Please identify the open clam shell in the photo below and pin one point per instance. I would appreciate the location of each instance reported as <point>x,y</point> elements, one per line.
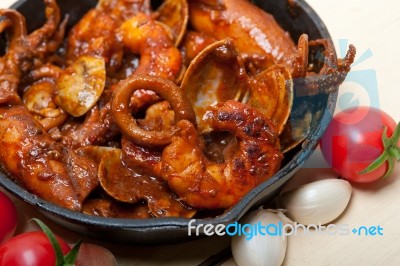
<point>110,208</point>
<point>271,92</point>
<point>127,185</point>
<point>215,75</point>
<point>81,85</point>
<point>175,15</point>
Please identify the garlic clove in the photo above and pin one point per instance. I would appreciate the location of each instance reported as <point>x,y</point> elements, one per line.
<point>317,202</point>
<point>266,250</point>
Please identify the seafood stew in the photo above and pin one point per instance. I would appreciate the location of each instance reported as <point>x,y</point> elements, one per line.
<point>202,131</point>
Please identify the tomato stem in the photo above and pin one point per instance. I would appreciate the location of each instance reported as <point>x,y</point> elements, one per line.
<point>390,154</point>
<point>375,164</point>
<point>53,241</point>
<point>395,153</point>
<point>68,259</point>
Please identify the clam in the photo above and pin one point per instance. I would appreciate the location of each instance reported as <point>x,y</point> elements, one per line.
<point>175,15</point>
<point>271,92</point>
<point>129,186</point>
<point>38,98</point>
<point>296,130</point>
<point>81,85</point>
<point>106,207</point>
<point>94,152</point>
<point>215,75</point>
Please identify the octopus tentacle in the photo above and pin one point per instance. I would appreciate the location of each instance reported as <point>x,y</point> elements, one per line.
<point>43,166</point>
<point>250,160</point>
<point>16,29</point>
<point>39,37</point>
<point>4,24</point>
<point>333,71</point>
<point>24,51</point>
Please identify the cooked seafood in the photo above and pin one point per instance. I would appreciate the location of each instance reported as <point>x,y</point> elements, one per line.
<point>217,75</point>
<point>40,164</point>
<point>253,159</point>
<point>24,52</point>
<point>136,114</point>
<point>39,97</point>
<point>167,90</point>
<point>102,40</point>
<point>261,41</point>
<point>193,44</point>
<point>97,128</point>
<point>109,208</point>
<point>80,85</point>
<point>174,14</point>
<point>257,36</point>
<point>158,54</point>
<point>127,185</point>
<point>159,116</point>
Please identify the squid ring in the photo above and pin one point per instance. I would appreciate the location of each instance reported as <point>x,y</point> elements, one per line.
<point>121,111</point>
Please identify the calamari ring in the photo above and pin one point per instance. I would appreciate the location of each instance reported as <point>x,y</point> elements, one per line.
<point>121,111</point>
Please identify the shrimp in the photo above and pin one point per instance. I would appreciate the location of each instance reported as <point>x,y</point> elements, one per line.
<point>102,40</point>
<point>253,158</point>
<point>158,54</point>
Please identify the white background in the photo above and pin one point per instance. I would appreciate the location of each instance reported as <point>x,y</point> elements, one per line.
<point>369,25</point>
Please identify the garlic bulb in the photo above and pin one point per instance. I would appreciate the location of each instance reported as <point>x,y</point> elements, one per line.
<point>267,249</point>
<point>317,202</point>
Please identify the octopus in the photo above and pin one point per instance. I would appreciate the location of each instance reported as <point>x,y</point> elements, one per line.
<point>40,164</point>
<point>141,112</point>
<point>25,51</point>
<point>251,159</point>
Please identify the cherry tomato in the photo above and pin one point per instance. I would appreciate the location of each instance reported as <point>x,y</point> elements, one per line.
<point>353,140</point>
<point>8,214</point>
<point>30,249</point>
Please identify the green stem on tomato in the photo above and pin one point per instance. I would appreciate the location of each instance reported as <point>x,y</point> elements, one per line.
<point>395,153</point>
<point>61,260</point>
<point>70,258</point>
<point>390,154</point>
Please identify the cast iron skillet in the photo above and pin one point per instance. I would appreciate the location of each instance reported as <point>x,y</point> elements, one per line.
<point>297,20</point>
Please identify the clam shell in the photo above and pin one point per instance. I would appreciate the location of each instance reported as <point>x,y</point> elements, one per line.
<point>214,76</point>
<point>175,15</point>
